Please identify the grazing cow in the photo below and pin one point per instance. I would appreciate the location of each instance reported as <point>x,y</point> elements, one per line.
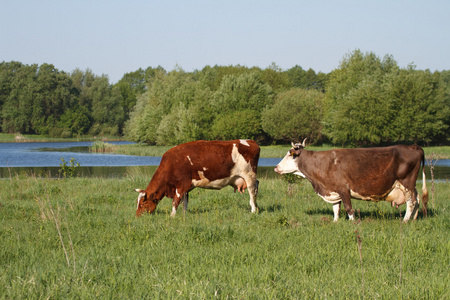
<point>203,164</point>
<point>373,174</point>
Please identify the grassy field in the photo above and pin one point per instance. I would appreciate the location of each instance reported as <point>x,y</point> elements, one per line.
<point>78,238</point>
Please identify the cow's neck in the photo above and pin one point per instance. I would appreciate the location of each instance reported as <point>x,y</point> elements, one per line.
<point>158,188</point>
<point>307,163</point>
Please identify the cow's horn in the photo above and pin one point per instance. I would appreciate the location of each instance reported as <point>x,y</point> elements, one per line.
<point>304,143</point>
<point>293,145</point>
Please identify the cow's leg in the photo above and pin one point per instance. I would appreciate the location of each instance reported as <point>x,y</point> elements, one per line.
<point>336,209</point>
<point>348,205</point>
<point>412,205</point>
<point>253,192</point>
<point>175,203</point>
<point>185,202</point>
<point>179,195</point>
<point>418,204</point>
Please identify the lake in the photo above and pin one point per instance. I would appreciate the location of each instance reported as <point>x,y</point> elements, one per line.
<point>44,159</point>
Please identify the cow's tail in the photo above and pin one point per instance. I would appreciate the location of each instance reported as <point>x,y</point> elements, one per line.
<point>424,189</point>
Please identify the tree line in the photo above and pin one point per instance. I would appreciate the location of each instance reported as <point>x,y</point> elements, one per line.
<point>367,100</point>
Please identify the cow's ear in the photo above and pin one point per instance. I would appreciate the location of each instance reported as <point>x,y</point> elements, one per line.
<point>295,153</point>
<point>139,191</point>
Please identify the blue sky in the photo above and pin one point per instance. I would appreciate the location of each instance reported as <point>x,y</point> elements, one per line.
<point>115,37</point>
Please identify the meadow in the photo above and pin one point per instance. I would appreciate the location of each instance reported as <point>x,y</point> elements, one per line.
<point>79,238</point>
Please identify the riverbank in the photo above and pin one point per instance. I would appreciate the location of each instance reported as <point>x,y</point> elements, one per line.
<point>34,138</point>
<point>266,151</point>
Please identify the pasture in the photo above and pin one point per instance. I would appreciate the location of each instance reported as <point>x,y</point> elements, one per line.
<point>78,238</point>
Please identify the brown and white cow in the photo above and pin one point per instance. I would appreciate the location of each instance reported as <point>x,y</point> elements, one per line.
<point>203,164</point>
<point>373,174</point>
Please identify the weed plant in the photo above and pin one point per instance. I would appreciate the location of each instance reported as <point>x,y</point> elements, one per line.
<point>78,238</point>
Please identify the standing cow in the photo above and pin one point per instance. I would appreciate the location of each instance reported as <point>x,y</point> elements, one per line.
<point>373,174</point>
<point>203,164</point>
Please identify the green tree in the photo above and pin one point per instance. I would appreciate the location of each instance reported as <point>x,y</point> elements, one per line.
<point>243,93</point>
<point>297,77</point>
<point>53,95</point>
<point>356,109</point>
<point>275,77</point>
<point>296,114</point>
<point>238,124</point>
<point>212,76</point>
<point>174,109</point>
<point>18,106</point>
<point>107,113</point>
<point>421,107</point>
<point>133,84</point>
<point>76,121</point>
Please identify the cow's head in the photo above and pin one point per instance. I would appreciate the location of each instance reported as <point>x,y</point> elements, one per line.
<point>289,163</point>
<point>145,202</point>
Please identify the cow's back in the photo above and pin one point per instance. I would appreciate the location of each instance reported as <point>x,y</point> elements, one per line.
<point>214,158</point>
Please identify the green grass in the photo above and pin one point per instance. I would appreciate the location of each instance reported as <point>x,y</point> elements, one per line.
<point>141,150</point>
<point>78,238</point>
<point>443,152</point>
<point>281,150</point>
<point>102,147</point>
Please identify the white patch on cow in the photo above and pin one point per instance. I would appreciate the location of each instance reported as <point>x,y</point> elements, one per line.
<point>333,198</point>
<point>244,142</point>
<point>190,160</point>
<point>335,158</point>
<point>176,191</point>
<point>207,184</point>
<point>202,182</point>
<point>336,209</point>
<point>298,173</point>
<point>241,169</point>
<point>174,211</point>
<point>235,153</point>
<point>141,195</point>
<point>204,169</point>
<point>396,195</point>
<point>355,195</point>
<point>289,165</point>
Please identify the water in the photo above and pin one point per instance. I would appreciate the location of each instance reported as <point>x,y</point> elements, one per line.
<point>49,155</point>
<point>45,159</point>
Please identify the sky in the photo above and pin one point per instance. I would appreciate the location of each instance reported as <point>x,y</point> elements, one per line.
<point>116,37</point>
